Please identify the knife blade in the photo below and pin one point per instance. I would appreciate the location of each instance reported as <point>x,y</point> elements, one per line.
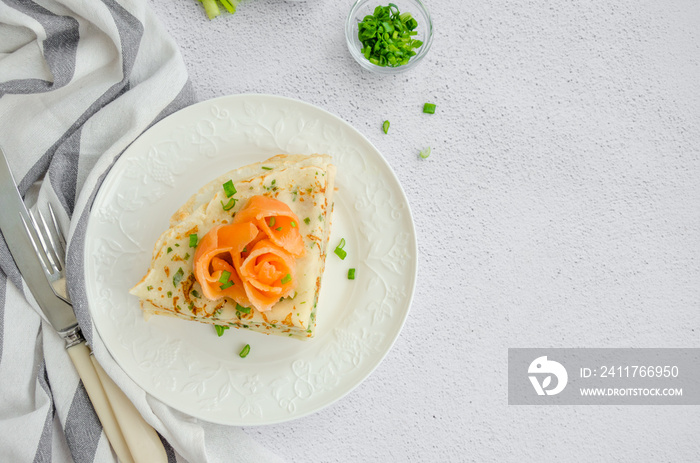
<point>58,312</point>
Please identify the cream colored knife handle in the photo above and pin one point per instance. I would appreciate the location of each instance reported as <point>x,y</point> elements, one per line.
<point>80,355</point>
<point>142,440</point>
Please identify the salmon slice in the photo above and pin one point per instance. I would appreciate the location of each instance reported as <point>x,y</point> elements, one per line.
<point>276,220</point>
<point>268,274</point>
<point>217,252</point>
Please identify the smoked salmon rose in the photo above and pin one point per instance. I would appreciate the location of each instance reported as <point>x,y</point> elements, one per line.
<point>251,260</point>
<point>276,220</point>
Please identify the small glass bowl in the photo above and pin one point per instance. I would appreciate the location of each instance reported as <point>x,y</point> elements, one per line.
<point>362,8</point>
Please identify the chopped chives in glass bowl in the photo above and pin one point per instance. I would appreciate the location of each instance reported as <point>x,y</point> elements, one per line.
<point>388,36</point>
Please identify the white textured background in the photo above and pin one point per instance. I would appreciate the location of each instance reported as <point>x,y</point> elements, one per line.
<point>560,207</point>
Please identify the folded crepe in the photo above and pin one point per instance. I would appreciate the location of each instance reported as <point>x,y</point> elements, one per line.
<point>248,249</point>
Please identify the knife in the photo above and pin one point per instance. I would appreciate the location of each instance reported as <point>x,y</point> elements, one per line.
<point>117,414</point>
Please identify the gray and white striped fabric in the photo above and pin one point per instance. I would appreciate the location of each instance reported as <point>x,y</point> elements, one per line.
<point>79,81</point>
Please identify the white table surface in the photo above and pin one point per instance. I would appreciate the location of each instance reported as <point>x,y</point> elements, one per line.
<point>560,208</point>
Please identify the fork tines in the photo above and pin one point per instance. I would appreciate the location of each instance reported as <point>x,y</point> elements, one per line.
<point>51,247</point>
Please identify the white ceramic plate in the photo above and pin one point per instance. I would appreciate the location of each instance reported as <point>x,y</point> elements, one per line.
<point>185,364</point>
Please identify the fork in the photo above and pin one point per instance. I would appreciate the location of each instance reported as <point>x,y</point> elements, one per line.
<point>131,437</point>
<point>52,252</point>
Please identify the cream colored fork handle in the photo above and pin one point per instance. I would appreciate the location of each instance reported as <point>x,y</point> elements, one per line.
<point>142,440</point>
<point>80,355</point>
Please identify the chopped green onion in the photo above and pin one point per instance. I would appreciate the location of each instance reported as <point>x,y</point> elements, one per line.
<point>339,251</point>
<point>246,350</point>
<point>193,240</point>
<point>294,224</point>
<point>225,275</point>
<point>178,276</point>
<point>266,168</point>
<point>278,228</point>
<point>425,153</point>
<point>169,250</point>
<point>429,108</point>
<point>170,294</point>
<point>386,35</point>
<point>220,329</point>
<point>229,189</point>
<point>287,278</point>
<point>195,293</point>
<point>307,220</point>
<point>230,5</point>
<point>271,223</point>
<point>229,204</point>
<point>149,287</point>
<point>211,8</point>
<point>224,278</point>
<point>385,126</point>
<point>240,308</point>
<point>351,274</point>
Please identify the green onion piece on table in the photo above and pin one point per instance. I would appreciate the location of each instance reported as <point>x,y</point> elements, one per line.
<point>429,108</point>
<point>351,274</point>
<point>246,350</point>
<point>212,8</point>
<point>385,126</point>
<point>230,5</point>
<point>425,153</point>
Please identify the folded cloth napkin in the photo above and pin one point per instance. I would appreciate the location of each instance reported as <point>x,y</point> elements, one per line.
<point>79,81</point>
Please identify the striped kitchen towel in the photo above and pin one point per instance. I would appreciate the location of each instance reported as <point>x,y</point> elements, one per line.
<point>79,81</point>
